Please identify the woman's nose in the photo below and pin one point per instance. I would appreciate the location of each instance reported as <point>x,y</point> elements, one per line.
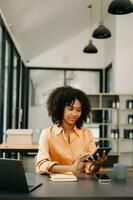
<point>75,112</point>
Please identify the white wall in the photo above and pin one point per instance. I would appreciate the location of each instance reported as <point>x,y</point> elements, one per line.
<point>117,49</point>
<point>70,54</point>
<point>109,44</point>
<point>123,61</point>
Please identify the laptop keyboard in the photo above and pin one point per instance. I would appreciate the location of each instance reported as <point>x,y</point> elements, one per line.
<point>30,186</point>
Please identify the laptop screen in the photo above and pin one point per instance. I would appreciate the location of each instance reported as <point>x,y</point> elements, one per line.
<point>12,176</point>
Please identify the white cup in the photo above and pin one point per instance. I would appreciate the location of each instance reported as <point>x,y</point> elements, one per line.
<point>120,171</point>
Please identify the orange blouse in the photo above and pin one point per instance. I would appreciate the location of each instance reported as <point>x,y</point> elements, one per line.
<point>54,147</point>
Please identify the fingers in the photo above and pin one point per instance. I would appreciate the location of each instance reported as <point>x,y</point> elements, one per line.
<point>104,154</point>
<point>98,156</point>
<point>99,159</point>
<point>91,159</point>
<point>78,164</point>
<point>96,159</point>
<point>102,157</point>
<point>83,156</point>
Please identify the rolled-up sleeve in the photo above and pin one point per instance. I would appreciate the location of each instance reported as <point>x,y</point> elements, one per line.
<point>43,161</point>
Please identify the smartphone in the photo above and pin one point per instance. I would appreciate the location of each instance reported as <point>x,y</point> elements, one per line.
<point>102,178</point>
<point>98,152</point>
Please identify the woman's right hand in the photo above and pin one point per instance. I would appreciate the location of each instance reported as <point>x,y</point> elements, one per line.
<point>78,164</point>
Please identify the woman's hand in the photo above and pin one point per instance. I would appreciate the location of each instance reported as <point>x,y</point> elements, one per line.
<point>98,162</point>
<point>78,165</point>
<point>100,159</point>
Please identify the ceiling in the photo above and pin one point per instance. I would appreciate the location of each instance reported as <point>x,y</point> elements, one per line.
<point>39,25</point>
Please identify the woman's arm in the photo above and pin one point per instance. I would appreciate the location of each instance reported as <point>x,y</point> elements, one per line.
<point>76,167</point>
<point>42,160</point>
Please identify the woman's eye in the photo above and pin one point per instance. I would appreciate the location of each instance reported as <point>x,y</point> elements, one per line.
<point>70,108</point>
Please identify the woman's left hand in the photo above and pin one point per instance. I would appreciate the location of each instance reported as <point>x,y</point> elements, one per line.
<point>97,163</point>
<point>100,159</point>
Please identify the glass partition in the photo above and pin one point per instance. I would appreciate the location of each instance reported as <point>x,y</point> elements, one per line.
<point>14,102</point>
<point>43,81</point>
<point>41,84</point>
<point>88,81</point>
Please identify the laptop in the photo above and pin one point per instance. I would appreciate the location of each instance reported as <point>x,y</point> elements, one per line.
<point>12,176</point>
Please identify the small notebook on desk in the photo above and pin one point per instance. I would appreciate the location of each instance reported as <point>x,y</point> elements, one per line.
<point>68,176</point>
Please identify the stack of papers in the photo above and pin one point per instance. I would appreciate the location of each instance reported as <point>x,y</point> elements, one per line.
<point>68,176</point>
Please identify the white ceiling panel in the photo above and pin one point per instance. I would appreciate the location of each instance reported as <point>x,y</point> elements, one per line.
<point>39,25</point>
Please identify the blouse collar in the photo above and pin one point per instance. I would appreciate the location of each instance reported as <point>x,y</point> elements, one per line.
<point>59,129</point>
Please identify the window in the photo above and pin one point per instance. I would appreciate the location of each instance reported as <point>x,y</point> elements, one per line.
<point>43,81</point>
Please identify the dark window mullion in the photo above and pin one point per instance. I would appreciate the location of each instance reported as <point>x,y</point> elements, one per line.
<point>101,81</point>
<point>25,96</point>
<point>17,93</point>
<point>2,76</point>
<point>26,113</point>
<point>10,88</point>
<point>22,93</point>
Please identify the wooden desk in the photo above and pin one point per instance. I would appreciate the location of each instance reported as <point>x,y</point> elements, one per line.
<point>6,148</point>
<point>85,188</point>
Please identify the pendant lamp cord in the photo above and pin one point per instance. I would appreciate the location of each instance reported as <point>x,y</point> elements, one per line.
<point>101,11</point>
<point>90,6</point>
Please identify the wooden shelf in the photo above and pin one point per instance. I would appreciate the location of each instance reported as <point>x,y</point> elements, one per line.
<point>106,117</point>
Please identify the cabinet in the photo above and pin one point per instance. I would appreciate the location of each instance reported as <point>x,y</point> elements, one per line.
<point>112,123</point>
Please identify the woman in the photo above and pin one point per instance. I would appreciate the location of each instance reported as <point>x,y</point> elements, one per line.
<point>64,145</point>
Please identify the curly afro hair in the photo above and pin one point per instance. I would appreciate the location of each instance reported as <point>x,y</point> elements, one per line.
<point>66,96</point>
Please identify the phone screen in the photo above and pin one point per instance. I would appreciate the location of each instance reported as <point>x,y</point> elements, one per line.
<point>102,177</point>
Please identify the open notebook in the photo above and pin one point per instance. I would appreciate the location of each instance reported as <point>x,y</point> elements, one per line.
<point>68,176</point>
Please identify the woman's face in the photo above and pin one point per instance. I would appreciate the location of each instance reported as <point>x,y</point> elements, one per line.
<point>72,112</point>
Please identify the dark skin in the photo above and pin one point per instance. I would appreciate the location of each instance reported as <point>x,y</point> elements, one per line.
<point>97,162</point>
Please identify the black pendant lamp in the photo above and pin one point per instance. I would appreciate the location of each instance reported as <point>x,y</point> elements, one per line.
<point>101,32</point>
<point>90,48</point>
<point>120,7</point>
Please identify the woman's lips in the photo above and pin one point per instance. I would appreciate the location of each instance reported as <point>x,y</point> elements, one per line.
<point>73,119</point>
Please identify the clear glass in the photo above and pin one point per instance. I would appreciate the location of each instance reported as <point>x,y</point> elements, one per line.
<point>90,85</point>
<point>15,63</point>
<point>42,82</point>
